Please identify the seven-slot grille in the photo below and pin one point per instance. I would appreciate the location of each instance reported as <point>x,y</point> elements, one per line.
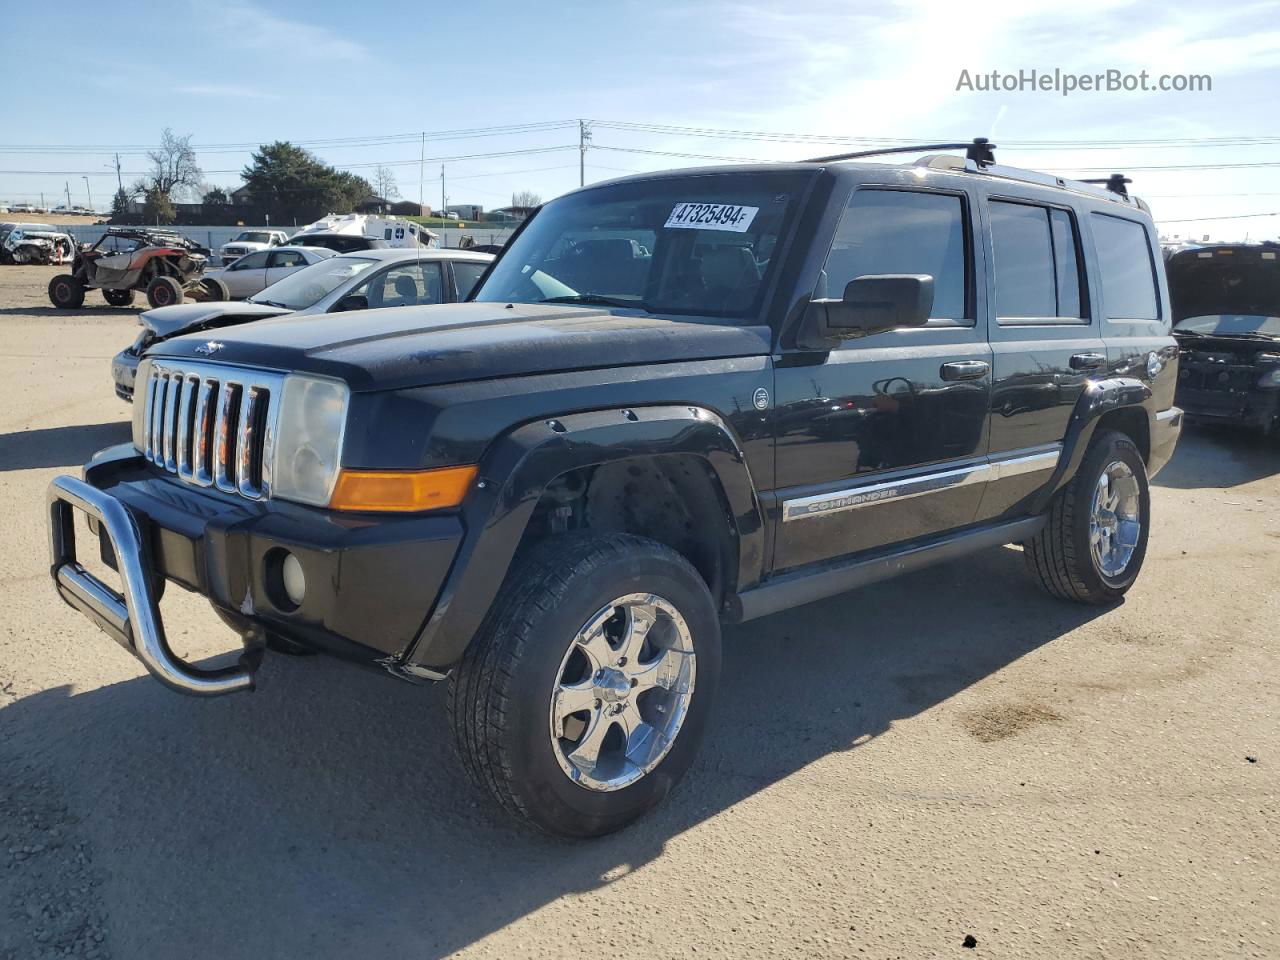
<point>212,425</point>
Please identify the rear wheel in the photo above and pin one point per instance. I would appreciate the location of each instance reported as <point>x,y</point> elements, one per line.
<point>164,292</point>
<point>581,701</point>
<point>118,298</point>
<point>1092,547</point>
<point>20,257</point>
<point>213,289</point>
<point>66,292</point>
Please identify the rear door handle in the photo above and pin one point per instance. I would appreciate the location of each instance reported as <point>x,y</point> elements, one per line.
<point>1088,361</point>
<point>965,370</point>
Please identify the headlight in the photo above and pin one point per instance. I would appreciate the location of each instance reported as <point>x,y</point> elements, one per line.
<point>140,381</point>
<point>307,447</point>
<point>1270,379</point>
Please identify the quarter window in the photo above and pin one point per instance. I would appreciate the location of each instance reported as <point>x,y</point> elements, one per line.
<point>465,275</point>
<point>1126,268</point>
<point>1037,270</point>
<point>897,231</point>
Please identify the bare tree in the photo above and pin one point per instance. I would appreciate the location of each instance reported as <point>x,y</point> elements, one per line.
<point>173,166</point>
<point>525,198</point>
<point>384,183</point>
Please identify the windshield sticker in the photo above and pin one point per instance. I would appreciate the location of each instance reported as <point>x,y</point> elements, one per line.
<point>712,216</point>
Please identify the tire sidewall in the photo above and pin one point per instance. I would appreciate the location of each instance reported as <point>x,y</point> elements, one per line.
<point>553,800</point>
<point>1106,450</point>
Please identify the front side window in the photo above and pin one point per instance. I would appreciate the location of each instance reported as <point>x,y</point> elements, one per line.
<point>1037,271</point>
<point>898,231</point>
<point>697,245</point>
<point>1126,268</point>
<point>254,261</point>
<point>407,285</point>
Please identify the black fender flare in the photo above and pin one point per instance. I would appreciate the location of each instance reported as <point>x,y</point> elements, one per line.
<point>1099,398</point>
<point>518,467</point>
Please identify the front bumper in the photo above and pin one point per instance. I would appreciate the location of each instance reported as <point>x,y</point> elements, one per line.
<point>370,581</point>
<point>124,371</point>
<point>1257,409</point>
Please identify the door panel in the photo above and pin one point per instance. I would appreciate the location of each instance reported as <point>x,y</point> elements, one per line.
<point>866,416</point>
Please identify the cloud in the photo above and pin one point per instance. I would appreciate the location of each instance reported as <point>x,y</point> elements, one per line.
<point>227,91</point>
<point>240,24</point>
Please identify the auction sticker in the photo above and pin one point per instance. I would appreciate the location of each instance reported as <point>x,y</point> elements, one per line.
<point>712,216</point>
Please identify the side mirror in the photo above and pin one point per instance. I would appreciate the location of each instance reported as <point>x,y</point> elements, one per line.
<point>352,301</point>
<point>872,305</point>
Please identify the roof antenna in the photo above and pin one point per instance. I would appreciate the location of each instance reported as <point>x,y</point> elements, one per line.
<point>1115,183</point>
<point>982,152</point>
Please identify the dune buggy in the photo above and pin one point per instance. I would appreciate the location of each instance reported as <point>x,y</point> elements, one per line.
<point>167,266</point>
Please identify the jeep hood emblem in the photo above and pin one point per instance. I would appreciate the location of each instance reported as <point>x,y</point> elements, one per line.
<point>209,348</point>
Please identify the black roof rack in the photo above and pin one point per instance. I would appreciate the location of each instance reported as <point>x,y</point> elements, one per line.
<point>981,151</point>
<point>1115,183</point>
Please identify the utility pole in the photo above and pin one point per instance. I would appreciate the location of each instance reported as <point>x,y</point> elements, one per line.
<point>119,177</point>
<point>584,138</point>
<point>443,200</point>
<point>422,159</point>
<point>67,184</point>
<point>88,193</point>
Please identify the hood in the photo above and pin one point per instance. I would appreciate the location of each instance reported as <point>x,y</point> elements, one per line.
<point>419,346</point>
<point>168,321</point>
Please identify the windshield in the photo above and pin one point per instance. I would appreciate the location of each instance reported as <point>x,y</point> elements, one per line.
<point>1233,284</point>
<point>253,236</point>
<point>1229,325</point>
<point>700,245</point>
<point>313,283</point>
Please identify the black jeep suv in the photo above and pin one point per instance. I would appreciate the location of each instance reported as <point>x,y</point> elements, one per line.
<point>676,400</point>
<point>1226,312</point>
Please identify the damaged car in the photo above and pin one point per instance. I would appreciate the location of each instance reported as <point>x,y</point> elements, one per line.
<point>348,282</point>
<point>167,266</point>
<point>1226,311</point>
<point>38,243</point>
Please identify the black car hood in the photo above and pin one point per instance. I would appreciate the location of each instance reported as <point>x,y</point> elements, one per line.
<point>449,343</point>
<point>170,321</point>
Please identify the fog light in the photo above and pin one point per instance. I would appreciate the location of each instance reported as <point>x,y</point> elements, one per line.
<point>295,581</point>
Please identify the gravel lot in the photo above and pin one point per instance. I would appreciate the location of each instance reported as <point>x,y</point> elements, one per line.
<point>885,777</point>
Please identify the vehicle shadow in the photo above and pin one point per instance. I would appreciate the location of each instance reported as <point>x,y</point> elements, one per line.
<point>326,816</point>
<point>1214,456</point>
<point>59,446</point>
<point>95,309</point>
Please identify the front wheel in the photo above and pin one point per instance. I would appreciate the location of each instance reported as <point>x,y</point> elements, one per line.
<point>66,292</point>
<point>581,701</point>
<point>164,292</point>
<point>1092,547</point>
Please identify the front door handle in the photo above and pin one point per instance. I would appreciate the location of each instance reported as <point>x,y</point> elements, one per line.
<point>965,370</point>
<point>1088,361</point>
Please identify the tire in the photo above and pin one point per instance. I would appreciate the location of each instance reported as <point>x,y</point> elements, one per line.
<point>500,699</point>
<point>19,257</point>
<point>66,292</point>
<point>118,298</point>
<point>213,289</point>
<point>1062,555</point>
<point>164,292</point>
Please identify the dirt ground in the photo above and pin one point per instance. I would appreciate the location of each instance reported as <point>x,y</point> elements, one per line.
<point>951,755</point>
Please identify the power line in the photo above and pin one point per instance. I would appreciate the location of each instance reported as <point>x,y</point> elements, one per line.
<point>1237,216</point>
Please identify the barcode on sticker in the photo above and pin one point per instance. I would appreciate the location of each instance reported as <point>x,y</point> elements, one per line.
<point>712,216</point>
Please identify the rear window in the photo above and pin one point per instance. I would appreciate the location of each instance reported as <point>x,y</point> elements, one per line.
<point>1127,269</point>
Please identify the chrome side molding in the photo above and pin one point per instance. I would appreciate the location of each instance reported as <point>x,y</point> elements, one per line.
<point>132,619</point>
<point>1008,465</point>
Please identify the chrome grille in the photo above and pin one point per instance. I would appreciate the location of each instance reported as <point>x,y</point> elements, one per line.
<point>212,424</point>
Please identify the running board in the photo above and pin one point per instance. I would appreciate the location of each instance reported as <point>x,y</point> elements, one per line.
<point>793,589</point>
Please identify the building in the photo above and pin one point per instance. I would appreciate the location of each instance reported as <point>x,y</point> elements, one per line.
<point>466,211</point>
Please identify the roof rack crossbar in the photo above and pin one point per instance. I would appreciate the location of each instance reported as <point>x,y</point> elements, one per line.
<point>1115,183</point>
<point>981,151</point>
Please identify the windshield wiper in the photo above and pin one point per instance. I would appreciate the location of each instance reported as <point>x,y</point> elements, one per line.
<point>272,303</point>
<point>597,299</point>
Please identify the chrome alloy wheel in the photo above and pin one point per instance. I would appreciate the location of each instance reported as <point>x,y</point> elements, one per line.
<point>622,692</point>
<point>1115,521</point>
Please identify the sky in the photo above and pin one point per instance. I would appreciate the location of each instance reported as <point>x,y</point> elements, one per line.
<point>780,78</point>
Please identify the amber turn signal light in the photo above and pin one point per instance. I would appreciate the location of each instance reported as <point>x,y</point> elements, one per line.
<point>401,491</point>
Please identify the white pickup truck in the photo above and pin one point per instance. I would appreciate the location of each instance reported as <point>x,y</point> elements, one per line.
<point>251,241</point>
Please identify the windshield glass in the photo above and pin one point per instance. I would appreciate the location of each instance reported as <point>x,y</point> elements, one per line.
<point>699,245</point>
<point>1230,324</point>
<point>302,289</point>
<point>1237,283</point>
<point>253,236</point>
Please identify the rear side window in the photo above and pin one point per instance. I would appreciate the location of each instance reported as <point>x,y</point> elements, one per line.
<point>1037,270</point>
<point>1127,270</point>
<point>896,231</point>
